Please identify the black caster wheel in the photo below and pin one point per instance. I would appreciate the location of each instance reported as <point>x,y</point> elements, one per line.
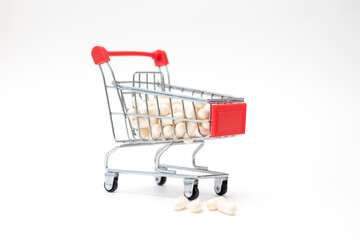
<point>114,185</point>
<point>221,191</point>
<point>194,195</point>
<point>160,180</point>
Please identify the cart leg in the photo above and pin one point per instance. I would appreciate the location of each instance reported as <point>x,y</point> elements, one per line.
<point>202,143</point>
<point>191,190</point>
<point>111,178</point>
<point>158,154</point>
<point>159,179</point>
<point>106,163</point>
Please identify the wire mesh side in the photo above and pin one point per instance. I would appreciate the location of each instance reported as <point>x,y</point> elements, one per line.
<point>154,111</point>
<point>155,117</point>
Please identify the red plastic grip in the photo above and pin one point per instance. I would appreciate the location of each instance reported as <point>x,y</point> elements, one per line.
<point>100,55</point>
<point>228,119</point>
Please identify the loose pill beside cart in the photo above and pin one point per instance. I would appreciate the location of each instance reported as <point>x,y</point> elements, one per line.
<point>155,112</point>
<point>219,203</point>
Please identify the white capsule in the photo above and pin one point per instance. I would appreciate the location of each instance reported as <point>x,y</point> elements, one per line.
<point>142,108</point>
<point>170,121</point>
<point>203,113</point>
<point>180,203</point>
<point>168,132</point>
<point>144,133</point>
<point>153,110</point>
<point>211,204</point>
<point>165,121</point>
<point>164,109</point>
<point>205,125</point>
<point>179,115</point>
<point>177,108</point>
<point>189,110</point>
<point>196,206</point>
<point>156,131</point>
<point>180,130</point>
<point>204,132</point>
<point>193,129</point>
<point>226,207</point>
<point>141,105</point>
<point>143,122</point>
<point>146,121</point>
<point>199,105</point>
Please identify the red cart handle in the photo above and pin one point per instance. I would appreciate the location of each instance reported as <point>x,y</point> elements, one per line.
<point>100,55</point>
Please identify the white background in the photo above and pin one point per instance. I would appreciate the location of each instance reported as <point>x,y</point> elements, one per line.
<point>293,175</point>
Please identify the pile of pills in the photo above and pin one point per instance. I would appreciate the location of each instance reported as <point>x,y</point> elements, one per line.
<point>177,108</point>
<point>222,205</point>
<point>218,203</point>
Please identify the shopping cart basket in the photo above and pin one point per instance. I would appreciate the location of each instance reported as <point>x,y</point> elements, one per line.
<point>191,116</point>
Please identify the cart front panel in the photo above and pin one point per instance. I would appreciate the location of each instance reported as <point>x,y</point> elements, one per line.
<point>228,119</point>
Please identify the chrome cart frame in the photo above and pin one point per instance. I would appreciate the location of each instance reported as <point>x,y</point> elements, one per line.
<point>156,86</point>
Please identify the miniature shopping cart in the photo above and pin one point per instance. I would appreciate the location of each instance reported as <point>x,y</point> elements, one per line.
<point>227,115</point>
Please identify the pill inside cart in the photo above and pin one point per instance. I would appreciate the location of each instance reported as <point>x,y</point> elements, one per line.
<point>170,127</point>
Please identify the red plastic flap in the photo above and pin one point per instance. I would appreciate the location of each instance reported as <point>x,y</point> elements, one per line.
<point>228,119</point>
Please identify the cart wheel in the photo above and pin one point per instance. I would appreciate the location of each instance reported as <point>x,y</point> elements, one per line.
<point>160,180</point>
<point>114,185</point>
<point>195,193</point>
<point>221,191</point>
